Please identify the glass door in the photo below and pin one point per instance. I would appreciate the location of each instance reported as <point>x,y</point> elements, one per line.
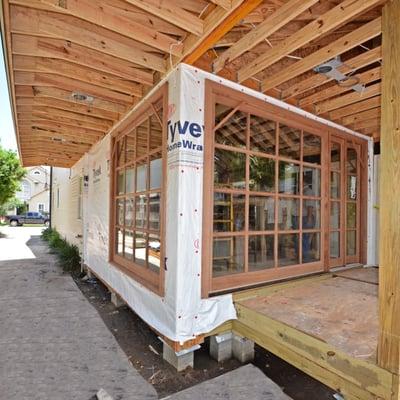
<point>344,199</point>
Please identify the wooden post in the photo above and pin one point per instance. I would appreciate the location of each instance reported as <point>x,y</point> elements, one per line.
<point>389,243</point>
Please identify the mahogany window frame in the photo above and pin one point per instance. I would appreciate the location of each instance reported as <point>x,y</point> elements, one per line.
<point>217,93</point>
<point>142,274</point>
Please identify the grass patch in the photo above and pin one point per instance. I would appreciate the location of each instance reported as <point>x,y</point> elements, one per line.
<point>68,254</point>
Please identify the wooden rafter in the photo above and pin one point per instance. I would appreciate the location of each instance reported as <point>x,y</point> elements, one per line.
<point>277,20</point>
<point>339,15</point>
<point>225,4</point>
<point>360,61</point>
<point>347,42</point>
<point>355,108</point>
<point>373,113</point>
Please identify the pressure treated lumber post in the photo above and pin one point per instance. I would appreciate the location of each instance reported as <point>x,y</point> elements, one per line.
<point>389,241</point>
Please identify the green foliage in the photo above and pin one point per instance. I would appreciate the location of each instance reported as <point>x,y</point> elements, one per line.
<point>10,205</point>
<point>68,254</point>
<point>11,174</point>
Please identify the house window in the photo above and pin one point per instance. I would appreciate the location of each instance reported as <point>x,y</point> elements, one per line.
<point>41,207</point>
<point>80,197</point>
<point>138,197</point>
<point>58,197</point>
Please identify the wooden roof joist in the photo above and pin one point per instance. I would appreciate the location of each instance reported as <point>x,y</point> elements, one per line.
<point>31,132</point>
<point>345,43</point>
<point>66,50</point>
<point>355,108</point>
<point>54,93</point>
<point>44,23</point>
<point>75,107</point>
<point>334,18</point>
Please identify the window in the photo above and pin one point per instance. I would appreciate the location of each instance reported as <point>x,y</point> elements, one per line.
<point>265,170</point>
<point>58,197</point>
<point>80,197</point>
<point>138,196</point>
<point>36,172</point>
<point>41,207</point>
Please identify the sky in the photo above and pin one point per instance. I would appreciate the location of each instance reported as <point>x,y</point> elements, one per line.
<point>7,134</point>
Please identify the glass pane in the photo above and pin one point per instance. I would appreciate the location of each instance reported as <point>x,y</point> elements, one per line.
<point>335,156</point>
<point>335,244</point>
<point>120,212</point>
<point>154,212</point>
<point>141,178</point>
<point>289,142</point>
<point>351,245</point>
<point>129,207</point>
<point>262,135</point>
<point>141,211</point>
<point>288,249</point>
<point>155,132</point>
<point>262,174</point>
<point>141,138</point>
<point>229,212</point>
<point>121,152</point>
<point>311,148</point>
<point>228,255</point>
<point>130,146</point>
<point>128,247</point>
<point>140,248</point>
<point>351,162</point>
<point>335,185</point>
<point>155,171</point>
<point>311,182</point>
<point>288,214</point>
<point>229,169</point>
<point>289,178</point>
<point>130,180</point>
<point>261,213</point>
<point>311,214</point>
<point>311,247</point>
<point>351,219</point>
<point>121,182</point>
<point>154,252</point>
<point>335,215</point>
<point>261,252</point>
<point>233,131</point>
<point>352,187</point>
<point>119,242</point>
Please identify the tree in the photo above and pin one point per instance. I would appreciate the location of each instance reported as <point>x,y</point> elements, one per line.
<point>11,173</point>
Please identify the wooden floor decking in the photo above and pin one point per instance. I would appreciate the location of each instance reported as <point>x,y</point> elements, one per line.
<point>325,325</point>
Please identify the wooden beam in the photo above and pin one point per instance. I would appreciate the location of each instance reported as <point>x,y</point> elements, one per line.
<point>66,50</point>
<point>53,25</point>
<point>373,113</point>
<point>104,13</point>
<point>360,61</point>
<point>271,24</point>
<point>335,17</point>
<point>347,99</point>
<point>79,108</point>
<point>53,93</point>
<point>71,70</point>
<point>29,132</point>
<point>225,4</point>
<point>373,122</point>
<point>389,214</point>
<point>169,11</point>
<point>347,42</point>
<point>216,25</point>
<point>355,108</point>
<point>71,84</point>
<point>364,78</point>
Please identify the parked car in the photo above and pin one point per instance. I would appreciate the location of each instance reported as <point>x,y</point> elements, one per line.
<point>28,218</point>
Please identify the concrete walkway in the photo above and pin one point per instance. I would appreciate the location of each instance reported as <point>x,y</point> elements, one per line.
<point>244,383</point>
<point>53,343</point>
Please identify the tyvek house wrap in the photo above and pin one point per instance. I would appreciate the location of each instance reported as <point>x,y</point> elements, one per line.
<point>181,314</point>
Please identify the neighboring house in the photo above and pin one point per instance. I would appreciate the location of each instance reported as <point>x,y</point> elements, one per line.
<point>35,189</point>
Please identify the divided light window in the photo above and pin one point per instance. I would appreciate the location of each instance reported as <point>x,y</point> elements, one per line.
<point>267,195</point>
<point>138,197</point>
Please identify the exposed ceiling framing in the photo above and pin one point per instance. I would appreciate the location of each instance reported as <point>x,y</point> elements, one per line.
<point>75,67</point>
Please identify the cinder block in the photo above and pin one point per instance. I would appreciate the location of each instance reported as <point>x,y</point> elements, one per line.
<point>242,348</point>
<point>116,300</point>
<point>181,359</point>
<point>221,346</point>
